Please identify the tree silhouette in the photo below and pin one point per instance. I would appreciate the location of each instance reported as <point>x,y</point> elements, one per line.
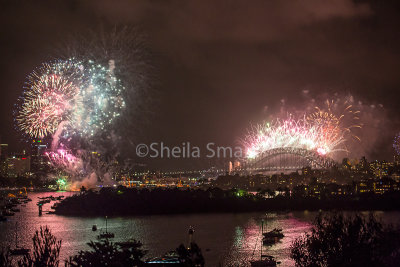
<point>106,253</point>
<point>5,260</point>
<point>338,240</point>
<point>191,256</point>
<point>46,250</point>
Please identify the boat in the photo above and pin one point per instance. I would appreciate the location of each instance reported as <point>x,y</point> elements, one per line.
<point>105,234</point>
<point>170,258</point>
<point>127,244</point>
<point>18,250</point>
<point>271,237</point>
<point>15,201</point>
<point>7,212</point>
<point>276,233</point>
<point>265,260</point>
<point>267,241</point>
<point>10,205</point>
<point>94,228</point>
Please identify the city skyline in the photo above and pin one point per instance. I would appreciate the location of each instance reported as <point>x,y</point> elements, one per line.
<point>205,94</point>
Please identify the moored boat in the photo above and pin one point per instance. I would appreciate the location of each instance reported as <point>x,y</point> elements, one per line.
<point>106,234</point>
<point>7,212</point>
<point>274,233</point>
<point>18,250</point>
<point>265,260</point>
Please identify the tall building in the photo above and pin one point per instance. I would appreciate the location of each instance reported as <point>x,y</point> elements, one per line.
<point>3,151</point>
<point>39,161</point>
<point>18,165</point>
<point>396,160</point>
<point>3,158</point>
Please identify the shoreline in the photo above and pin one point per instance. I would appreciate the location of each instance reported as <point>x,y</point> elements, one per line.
<point>170,202</point>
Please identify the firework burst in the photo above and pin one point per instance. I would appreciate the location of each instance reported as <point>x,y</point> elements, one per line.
<point>101,100</point>
<point>337,118</point>
<point>49,98</point>
<point>87,96</point>
<point>291,133</point>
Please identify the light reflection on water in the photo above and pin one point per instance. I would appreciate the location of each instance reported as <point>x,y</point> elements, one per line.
<point>225,238</point>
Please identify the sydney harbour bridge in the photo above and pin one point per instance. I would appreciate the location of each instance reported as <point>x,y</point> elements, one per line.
<point>286,159</point>
<point>277,160</point>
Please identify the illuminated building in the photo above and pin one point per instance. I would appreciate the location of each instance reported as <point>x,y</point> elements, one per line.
<point>396,160</point>
<point>379,168</point>
<point>18,165</point>
<point>39,162</point>
<point>3,151</point>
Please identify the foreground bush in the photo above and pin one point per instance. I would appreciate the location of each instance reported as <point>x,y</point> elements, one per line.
<point>46,250</point>
<point>338,240</point>
<point>106,253</point>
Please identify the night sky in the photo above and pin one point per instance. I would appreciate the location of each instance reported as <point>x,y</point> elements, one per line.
<point>217,66</point>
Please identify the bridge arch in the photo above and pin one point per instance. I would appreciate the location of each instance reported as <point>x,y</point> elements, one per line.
<point>289,158</point>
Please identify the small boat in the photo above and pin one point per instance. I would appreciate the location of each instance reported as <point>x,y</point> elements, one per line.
<point>127,244</point>
<point>18,250</point>
<point>10,205</point>
<point>274,233</point>
<point>8,213</point>
<point>94,228</point>
<point>269,240</point>
<point>105,234</point>
<point>271,237</point>
<point>15,201</point>
<point>265,260</point>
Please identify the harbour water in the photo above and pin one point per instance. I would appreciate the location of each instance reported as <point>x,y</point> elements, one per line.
<point>226,239</point>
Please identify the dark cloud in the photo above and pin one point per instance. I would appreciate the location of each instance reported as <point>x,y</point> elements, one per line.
<point>221,63</point>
